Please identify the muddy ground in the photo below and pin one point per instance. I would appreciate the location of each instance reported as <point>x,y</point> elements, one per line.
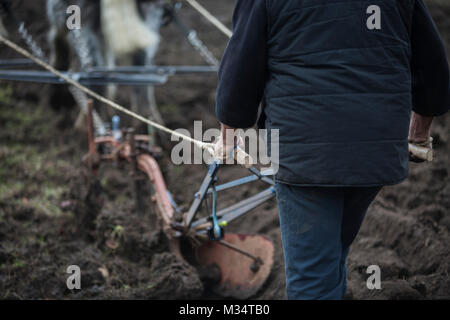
<point>54,213</point>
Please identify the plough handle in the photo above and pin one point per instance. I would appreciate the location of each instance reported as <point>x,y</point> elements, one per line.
<point>243,158</point>
<point>422,153</point>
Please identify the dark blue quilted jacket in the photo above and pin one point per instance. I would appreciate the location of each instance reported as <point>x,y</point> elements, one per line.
<point>337,86</point>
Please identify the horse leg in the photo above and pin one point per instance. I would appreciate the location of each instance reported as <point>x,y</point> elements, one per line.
<point>153,16</point>
<point>110,58</point>
<point>60,52</point>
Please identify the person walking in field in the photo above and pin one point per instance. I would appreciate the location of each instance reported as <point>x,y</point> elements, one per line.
<point>348,84</point>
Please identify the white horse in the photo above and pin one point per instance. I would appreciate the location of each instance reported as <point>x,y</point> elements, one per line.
<point>112,32</point>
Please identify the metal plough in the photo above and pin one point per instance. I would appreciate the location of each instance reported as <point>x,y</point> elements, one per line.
<point>244,260</point>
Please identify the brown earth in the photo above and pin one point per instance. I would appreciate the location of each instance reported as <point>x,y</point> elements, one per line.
<point>53,213</point>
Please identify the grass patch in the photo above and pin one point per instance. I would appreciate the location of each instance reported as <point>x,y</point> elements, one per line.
<point>9,190</point>
<point>19,124</point>
<point>18,263</point>
<point>48,200</point>
<point>168,108</point>
<point>6,95</point>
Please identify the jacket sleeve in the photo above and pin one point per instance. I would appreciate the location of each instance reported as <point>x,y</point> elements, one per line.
<point>242,73</point>
<point>429,66</point>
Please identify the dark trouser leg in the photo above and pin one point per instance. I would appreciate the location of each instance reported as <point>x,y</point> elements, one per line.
<point>310,220</point>
<point>356,203</point>
<point>318,226</point>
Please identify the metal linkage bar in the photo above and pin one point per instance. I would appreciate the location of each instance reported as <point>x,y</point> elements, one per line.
<point>256,259</point>
<point>161,70</point>
<point>242,181</point>
<point>201,194</point>
<point>85,78</point>
<point>241,208</point>
<point>10,63</point>
<point>237,210</point>
<point>129,75</point>
<point>235,183</point>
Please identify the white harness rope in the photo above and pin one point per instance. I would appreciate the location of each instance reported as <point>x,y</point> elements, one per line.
<point>219,25</point>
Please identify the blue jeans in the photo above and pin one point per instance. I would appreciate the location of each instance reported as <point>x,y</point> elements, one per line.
<point>318,225</point>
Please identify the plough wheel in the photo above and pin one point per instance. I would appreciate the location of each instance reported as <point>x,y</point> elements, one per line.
<point>240,277</point>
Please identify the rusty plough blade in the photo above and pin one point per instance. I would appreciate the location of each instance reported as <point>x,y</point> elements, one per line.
<point>241,276</point>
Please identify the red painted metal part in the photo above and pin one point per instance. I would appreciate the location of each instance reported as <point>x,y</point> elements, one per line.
<point>150,167</point>
<point>238,277</point>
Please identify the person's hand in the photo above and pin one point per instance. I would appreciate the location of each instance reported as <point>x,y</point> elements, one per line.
<point>419,134</point>
<point>225,146</point>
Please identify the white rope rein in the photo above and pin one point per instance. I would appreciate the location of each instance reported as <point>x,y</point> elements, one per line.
<point>205,13</point>
<point>25,53</point>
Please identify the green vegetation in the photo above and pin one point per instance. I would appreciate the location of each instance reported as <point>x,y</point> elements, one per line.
<point>18,263</point>
<point>117,231</point>
<point>168,108</point>
<point>29,169</point>
<point>5,95</point>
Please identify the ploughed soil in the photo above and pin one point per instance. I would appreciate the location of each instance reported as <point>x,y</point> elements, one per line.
<point>55,213</point>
